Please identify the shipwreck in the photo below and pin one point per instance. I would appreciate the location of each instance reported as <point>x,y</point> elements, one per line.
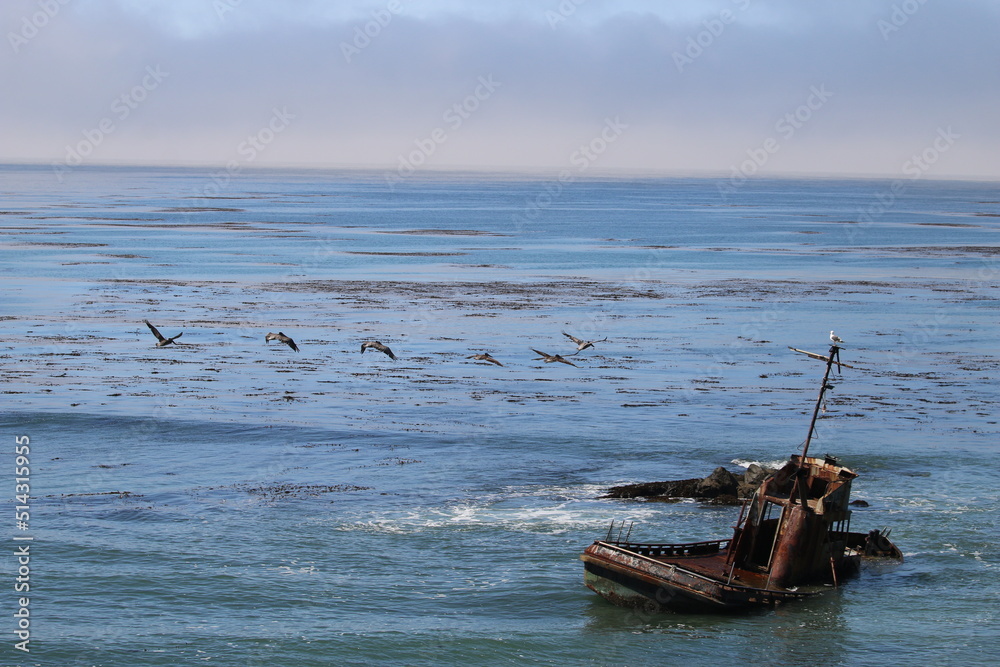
<point>792,540</point>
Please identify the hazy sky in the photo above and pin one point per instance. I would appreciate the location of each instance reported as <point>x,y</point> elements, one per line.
<point>765,87</point>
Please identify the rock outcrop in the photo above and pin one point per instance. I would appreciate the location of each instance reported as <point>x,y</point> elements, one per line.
<point>721,487</point>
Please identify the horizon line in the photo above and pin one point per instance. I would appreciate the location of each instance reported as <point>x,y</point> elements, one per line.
<point>534,171</point>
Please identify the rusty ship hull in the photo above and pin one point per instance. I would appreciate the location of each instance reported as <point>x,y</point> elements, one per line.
<point>633,575</point>
<point>792,538</point>
<point>791,542</point>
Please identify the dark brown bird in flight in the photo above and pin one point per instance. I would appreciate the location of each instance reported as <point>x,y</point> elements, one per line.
<point>377,345</point>
<point>160,340</point>
<point>485,356</point>
<point>283,338</point>
<point>549,358</point>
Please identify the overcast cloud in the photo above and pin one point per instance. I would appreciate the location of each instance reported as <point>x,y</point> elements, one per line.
<point>820,86</point>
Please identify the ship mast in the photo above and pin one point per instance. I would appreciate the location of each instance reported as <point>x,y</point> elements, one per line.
<point>831,358</point>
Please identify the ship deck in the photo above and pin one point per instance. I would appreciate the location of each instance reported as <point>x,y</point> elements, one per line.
<point>707,559</point>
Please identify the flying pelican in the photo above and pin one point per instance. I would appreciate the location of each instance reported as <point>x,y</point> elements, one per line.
<point>485,356</point>
<point>835,339</point>
<point>283,338</point>
<point>581,344</point>
<point>160,340</point>
<point>376,345</point>
<point>549,358</point>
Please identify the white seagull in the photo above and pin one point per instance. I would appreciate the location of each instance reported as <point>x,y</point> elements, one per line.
<point>835,339</point>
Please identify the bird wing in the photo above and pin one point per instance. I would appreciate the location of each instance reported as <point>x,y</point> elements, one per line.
<point>539,352</point>
<point>377,345</point>
<point>291,343</point>
<point>484,356</point>
<point>558,358</point>
<point>156,333</point>
<point>573,338</point>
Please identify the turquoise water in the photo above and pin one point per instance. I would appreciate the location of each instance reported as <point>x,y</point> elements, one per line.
<point>231,502</point>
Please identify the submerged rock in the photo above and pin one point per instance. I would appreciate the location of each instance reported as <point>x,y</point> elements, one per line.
<point>684,488</point>
<point>721,487</point>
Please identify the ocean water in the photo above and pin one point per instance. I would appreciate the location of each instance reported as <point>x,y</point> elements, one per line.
<point>227,501</point>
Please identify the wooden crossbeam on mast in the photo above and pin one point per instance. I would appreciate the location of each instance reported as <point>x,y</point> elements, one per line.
<point>831,358</point>
<point>820,357</point>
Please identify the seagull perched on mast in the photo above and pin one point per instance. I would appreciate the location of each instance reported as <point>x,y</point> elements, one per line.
<point>835,339</point>
<point>282,338</point>
<point>581,344</point>
<point>377,345</point>
<point>485,356</point>
<point>160,340</point>
<point>549,358</point>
